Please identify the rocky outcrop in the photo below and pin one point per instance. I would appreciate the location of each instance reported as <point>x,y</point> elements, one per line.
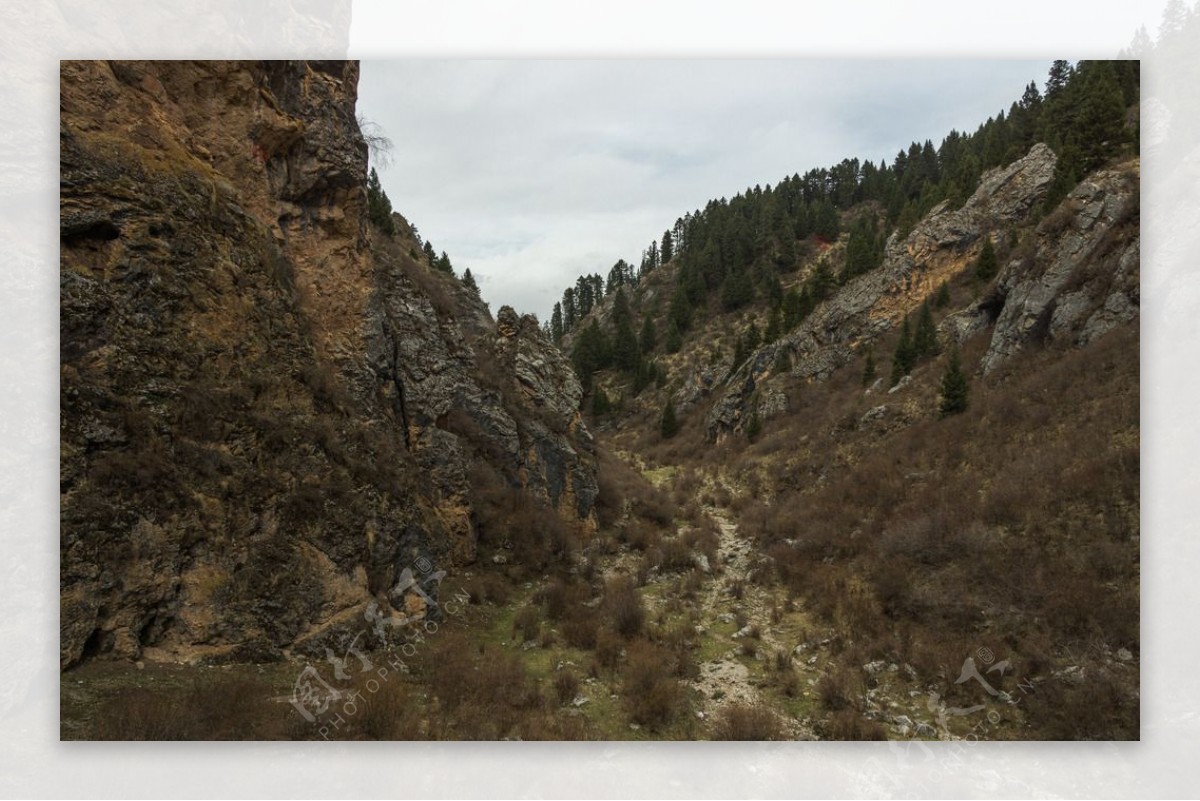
<point>913,267</point>
<point>1079,276</point>
<point>269,411</point>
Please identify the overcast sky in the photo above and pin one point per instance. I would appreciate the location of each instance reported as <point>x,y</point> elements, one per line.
<point>532,172</point>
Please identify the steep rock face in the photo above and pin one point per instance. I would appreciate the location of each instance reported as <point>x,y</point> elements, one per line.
<point>912,268</point>
<point>1078,279</point>
<point>259,393</point>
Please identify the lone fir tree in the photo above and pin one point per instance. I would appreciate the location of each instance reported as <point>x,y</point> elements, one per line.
<point>986,265</point>
<point>468,281</point>
<point>925,342</point>
<point>906,354</point>
<point>955,388</point>
<point>869,368</point>
<point>669,425</point>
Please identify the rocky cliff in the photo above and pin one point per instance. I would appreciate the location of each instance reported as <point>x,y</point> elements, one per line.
<point>269,409</point>
<point>1074,276</point>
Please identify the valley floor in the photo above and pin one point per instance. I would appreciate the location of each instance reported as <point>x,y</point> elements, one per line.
<point>722,653</point>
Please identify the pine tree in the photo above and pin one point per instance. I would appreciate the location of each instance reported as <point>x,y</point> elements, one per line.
<point>643,376</point>
<point>925,342</point>
<point>822,283</point>
<point>737,290</point>
<point>1099,129</point>
<point>986,265</point>
<point>783,362</point>
<point>674,338</point>
<point>905,357</point>
<point>649,337</point>
<point>667,251</point>
<point>869,368</point>
<point>443,264</point>
<point>625,352</point>
<point>792,309</point>
<point>468,281</point>
<point>753,426</point>
<point>590,353</point>
<point>774,326</point>
<point>379,208</point>
<point>680,313</point>
<point>556,324</point>
<point>942,299</point>
<point>668,426</point>
<point>601,405</point>
<point>753,338</point>
<point>954,387</point>
<point>430,255</point>
<point>1060,74</point>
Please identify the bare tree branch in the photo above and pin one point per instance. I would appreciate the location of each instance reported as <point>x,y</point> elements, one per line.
<point>379,145</point>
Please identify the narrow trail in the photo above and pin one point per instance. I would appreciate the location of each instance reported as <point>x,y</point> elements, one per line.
<point>726,679</point>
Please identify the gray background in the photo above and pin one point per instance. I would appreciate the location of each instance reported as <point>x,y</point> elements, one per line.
<point>35,35</point>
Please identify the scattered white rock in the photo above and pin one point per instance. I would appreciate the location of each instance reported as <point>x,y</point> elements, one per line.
<point>875,668</point>
<point>1072,675</point>
<point>580,700</point>
<point>702,563</point>
<point>903,382</point>
<point>500,559</point>
<point>1124,654</point>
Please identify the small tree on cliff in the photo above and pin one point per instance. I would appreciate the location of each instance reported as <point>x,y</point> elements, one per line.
<point>379,208</point>
<point>954,386</point>
<point>925,341</point>
<point>869,368</point>
<point>669,426</point>
<point>905,357</point>
<point>986,266</point>
<point>468,281</point>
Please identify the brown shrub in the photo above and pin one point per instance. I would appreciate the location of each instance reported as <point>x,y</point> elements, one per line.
<point>653,696</point>
<point>580,629</point>
<point>390,711</point>
<point>562,598</point>
<point>487,588</point>
<point>527,624</point>
<point>642,537</point>
<point>210,708</point>
<point>676,556</point>
<point>836,690</point>
<point>485,693</point>
<point>566,686</point>
<point>609,645</point>
<point>743,722</point>
<point>849,725</point>
<point>623,607</point>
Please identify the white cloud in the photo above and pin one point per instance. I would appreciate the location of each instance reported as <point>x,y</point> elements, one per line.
<point>530,172</point>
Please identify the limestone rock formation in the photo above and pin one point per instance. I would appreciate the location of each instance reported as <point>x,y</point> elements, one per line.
<point>1078,279</point>
<point>269,410</point>
<point>913,267</point>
